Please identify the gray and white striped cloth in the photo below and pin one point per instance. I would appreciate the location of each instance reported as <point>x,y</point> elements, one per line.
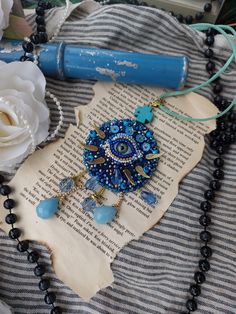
<point>153,274</point>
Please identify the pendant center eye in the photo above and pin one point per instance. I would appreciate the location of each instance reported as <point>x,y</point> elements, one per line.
<point>122,148</point>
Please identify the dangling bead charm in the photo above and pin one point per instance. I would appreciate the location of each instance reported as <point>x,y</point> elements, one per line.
<point>88,204</point>
<point>47,208</point>
<point>149,197</point>
<point>104,214</point>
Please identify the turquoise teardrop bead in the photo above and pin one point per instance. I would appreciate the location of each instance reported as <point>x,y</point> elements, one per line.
<point>104,214</point>
<point>47,208</point>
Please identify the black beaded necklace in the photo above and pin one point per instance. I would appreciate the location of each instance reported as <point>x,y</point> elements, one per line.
<point>221,138</point>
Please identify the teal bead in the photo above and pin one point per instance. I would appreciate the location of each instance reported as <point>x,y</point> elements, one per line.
<point>104,214</point>
<point>144,114</point>
<point>47,208</point>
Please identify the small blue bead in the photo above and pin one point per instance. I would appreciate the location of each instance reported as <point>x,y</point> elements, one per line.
<point>146,147</point>
<point>156,151</point>
<point>129,131</point>
<point>93,134</point>
<point>140,138</point>
<point>149,133</point>
<point>66,185</point>
<point>149,197</point>
<point>114,129</point>
<point>47,208</point>
<point>104,214</point>
<point>88,204</point>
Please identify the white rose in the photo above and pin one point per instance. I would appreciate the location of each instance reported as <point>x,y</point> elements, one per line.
<point>5,8</point>
<point>24,116</point>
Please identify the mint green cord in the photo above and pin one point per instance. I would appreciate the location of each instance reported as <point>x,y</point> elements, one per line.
<point>220,29</point>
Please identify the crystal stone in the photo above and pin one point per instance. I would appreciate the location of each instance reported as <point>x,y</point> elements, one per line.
<point>88,204</point>
<point>92,184</point>
<point>149,197</point>
<point>116,179</point>
<point>66,185</point>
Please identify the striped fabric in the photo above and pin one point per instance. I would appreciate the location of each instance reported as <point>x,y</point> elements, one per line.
<point>153,274</point>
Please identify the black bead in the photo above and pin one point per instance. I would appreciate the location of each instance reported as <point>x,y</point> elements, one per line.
<point>56,310</point>
<point>223,104</point>
<point>205,220</point>
<point>206,251</point>
<point>42,4</point>
<point>191,305</point>
<point>205,236</point>
<point>209,195</point>
<point>44,284</point>
<point>215,185</point>
<point>210,31</point>
<point>28,46</point>
<point>225,138</point>
<point>218,174</point>
<point>220,150</point>
<point>199,16</point>
<point>40,11</point>
<point>204,265</point>
<point>35,39</point>
<point>41,28</point>
<point>11,219</point>
<point>209,53</point>
<point>43,37</point>
<point>23,246</point>
<point>214,133</point>
<point>50,298</point>
<point>232,137</point>
<point>217,100</point>
<point>210,66</point>
<point>33,257</point>
<point>14,233</point>
<point>25,58</point>
<point>214,143</point>
<point>222,125</point>
<point>180,18</point>
<point>189,19</point>
<point>199,277</point>
<point>40,20</point>
<point>195,290</point>
<point>49,5</point>
<point>232,116</point>
<point>9,203</point>
<point>5,190</point>
<point>209,41</point>
<point>233,127</point>
<point>219,162</point>
<point>208,7</point>
<point>217,89</point>
<point>39,270</point>
<point>2,179</point>
<point>205,206</point>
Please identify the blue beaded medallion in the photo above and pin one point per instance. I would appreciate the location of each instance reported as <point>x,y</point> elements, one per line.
<point>122,151</point>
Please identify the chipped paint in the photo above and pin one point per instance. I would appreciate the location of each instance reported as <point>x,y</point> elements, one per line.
<point>127,63</point>
<point>108,72</point>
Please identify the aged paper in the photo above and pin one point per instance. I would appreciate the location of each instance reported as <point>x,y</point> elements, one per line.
<point>82,250</point>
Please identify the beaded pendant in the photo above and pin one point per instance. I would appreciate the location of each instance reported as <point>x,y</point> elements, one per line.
<point>120,156</point>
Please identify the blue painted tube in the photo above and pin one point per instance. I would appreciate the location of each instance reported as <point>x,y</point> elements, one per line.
<point>72,61</point>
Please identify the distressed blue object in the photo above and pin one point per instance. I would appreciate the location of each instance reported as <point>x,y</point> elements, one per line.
<point>104,214</point>
<point>122,153</point>
<point>144,114</point>
<point>66,185</point>
<point>72,61</point>
<point>92,184</point>
<point>47,208</point>
<point>149,197</point>
<point>88,204</point>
